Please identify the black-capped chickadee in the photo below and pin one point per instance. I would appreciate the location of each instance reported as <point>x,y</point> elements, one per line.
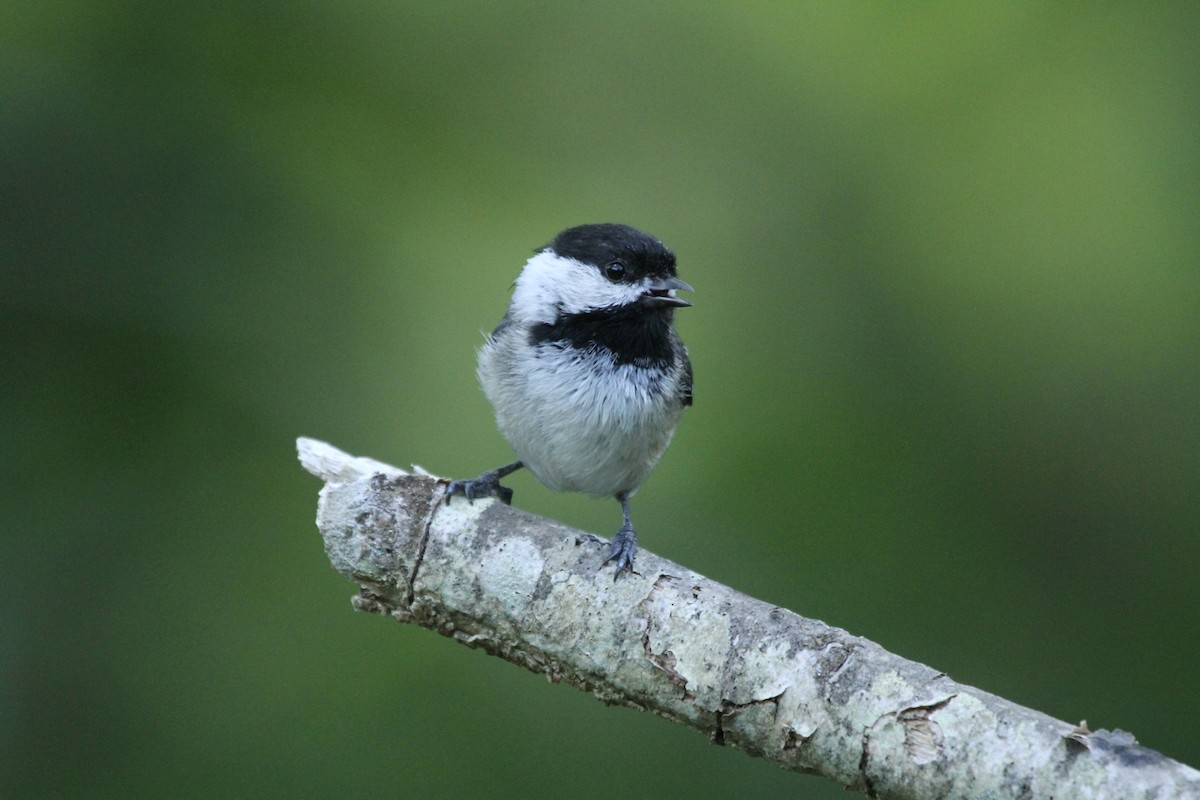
<point>585,372</point>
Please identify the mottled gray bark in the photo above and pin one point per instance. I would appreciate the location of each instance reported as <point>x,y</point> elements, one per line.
<point>794,691</point>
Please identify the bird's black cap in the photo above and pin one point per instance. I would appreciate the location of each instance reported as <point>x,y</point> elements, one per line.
<point>606,243</point>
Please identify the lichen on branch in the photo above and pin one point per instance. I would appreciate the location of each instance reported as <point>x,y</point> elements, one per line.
<point>794,691</point>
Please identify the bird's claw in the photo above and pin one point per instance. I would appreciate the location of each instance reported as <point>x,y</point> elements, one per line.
<point>622,550</point>
<point>486,485</point>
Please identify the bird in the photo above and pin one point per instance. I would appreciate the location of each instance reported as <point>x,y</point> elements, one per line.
<point>585,372</point>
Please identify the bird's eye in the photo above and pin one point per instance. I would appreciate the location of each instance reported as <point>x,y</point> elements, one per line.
<point>615,271</point>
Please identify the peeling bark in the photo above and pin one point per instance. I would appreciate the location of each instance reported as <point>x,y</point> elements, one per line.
<point>801,694</point>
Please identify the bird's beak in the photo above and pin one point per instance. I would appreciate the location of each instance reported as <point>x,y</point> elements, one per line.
<point>662,292</point>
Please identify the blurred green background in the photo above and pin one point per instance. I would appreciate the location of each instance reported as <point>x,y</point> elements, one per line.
<point>946,338</point>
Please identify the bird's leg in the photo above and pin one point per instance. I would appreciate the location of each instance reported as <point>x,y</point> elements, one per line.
<point>624,543</point>
<point>486,485</point>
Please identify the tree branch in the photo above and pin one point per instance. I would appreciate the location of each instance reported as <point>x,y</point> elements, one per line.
<point>794,691</point>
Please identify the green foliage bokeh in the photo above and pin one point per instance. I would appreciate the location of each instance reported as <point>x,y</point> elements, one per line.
<point>946,338</point>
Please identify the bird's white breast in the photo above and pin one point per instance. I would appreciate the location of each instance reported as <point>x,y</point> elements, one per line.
<point>577,419</point>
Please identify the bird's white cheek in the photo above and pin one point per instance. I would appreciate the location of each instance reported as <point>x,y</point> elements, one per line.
<point>551,285</point>
<point>588,291</point>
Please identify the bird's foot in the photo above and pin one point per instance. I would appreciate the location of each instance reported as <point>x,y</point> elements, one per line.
<point>622,550</point>
<point>486,485</point>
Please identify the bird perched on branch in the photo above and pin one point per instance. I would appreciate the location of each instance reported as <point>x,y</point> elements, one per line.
<point>585,372</point>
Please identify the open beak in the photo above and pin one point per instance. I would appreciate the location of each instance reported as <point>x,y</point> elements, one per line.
<point>662,292</point>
